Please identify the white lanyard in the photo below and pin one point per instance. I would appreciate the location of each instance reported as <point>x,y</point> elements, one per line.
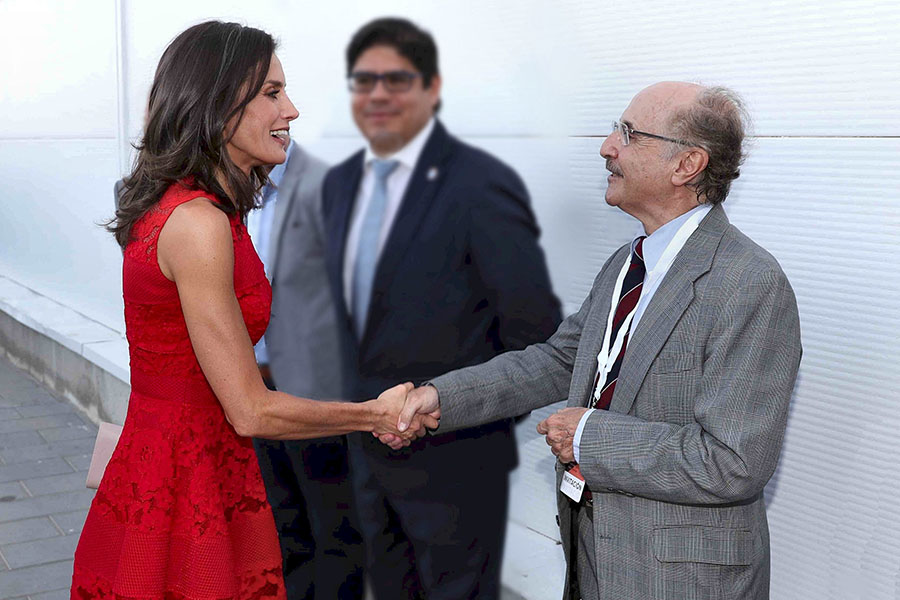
<point>652,279</point>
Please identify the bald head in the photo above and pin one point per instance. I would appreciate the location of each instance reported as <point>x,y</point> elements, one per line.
<point>657,103</point>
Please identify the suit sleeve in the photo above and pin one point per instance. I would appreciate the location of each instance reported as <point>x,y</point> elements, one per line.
<point>730,450</point>
<point>513,383</point>
<point>504,246</point>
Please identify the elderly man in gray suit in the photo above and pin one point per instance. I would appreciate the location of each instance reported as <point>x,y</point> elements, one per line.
<point>306,481</point>
<point>678,370</point>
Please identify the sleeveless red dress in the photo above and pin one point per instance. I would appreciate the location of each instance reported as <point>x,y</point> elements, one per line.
<point>181,512</point>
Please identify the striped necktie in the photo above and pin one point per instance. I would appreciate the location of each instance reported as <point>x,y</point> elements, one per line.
<point>367,249</point>
<point>628,299</point>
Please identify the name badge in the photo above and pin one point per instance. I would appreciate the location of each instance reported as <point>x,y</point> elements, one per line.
<point>572,484</point>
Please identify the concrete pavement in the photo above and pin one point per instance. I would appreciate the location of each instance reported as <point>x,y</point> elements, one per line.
<point>45,449</point>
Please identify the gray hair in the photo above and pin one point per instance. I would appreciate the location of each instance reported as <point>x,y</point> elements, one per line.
<point>717,122</point>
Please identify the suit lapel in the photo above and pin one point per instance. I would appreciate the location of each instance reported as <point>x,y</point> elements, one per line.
<point>290,181</point>
<point>427,178</point>
<point>669,302</point>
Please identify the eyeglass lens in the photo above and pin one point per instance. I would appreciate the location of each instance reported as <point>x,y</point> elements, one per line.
<point>622,129</point>
<point>394,81</point>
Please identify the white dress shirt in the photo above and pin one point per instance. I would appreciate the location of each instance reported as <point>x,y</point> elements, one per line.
<point>397,182</point>
<point>654,247</point>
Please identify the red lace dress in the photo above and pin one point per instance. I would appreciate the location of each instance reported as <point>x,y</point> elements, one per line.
<point>181,512</point>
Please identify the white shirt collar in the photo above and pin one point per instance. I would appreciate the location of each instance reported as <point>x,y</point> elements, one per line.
<point>656,243</point>
<point>408,155</point>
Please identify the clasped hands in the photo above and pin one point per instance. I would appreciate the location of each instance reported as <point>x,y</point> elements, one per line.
<point>419,409</point>
<point>408,412</point>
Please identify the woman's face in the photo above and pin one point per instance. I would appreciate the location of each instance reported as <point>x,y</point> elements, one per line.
<point>262,136</point>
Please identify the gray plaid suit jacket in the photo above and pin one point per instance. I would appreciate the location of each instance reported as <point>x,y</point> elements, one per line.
<point>679,462</point>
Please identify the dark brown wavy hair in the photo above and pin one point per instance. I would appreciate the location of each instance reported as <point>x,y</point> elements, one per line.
<point>205,78</point>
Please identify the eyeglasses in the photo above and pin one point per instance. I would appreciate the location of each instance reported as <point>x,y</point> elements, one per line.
<point>626,131</point>
<point>364,82</point>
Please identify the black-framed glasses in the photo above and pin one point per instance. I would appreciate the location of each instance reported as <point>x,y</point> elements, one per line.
<point>363,82</point>
<point>626,131</point>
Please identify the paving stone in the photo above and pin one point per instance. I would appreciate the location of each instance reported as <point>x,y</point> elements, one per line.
<point>37,579</point>
<point>79,462</point>
<point>25,390</point>
<point>62,594</point>
<point>36,423</point>
<point>8,414</point>
<point>39,552</point>
<point>36,553</point>
<point>65,482</point>
<point>21,439</point>
<point>45,505</point>
<point>16,383</point>
<point>70,522</point>
<point>65,448</point>
<point>26,395</point>
<point>11,490</point>
<point>14,402</point>
<point>59,434</point>
<point>34,468</point>
<point>42,410</point>
<point>25,530</point>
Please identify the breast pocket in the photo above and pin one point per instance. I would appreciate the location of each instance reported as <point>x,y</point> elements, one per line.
<point>674,361</point>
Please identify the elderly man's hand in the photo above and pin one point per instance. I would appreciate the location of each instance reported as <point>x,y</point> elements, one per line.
<point>559,430</point>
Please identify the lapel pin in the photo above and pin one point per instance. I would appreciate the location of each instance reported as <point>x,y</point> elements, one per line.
<point>432,174</point>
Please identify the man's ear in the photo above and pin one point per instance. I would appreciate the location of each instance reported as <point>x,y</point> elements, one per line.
<point>690,164</point>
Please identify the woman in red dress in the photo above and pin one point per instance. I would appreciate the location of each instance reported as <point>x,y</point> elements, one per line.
<point>181,512</point>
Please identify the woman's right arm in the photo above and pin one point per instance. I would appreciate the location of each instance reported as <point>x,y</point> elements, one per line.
<point>195,251</point>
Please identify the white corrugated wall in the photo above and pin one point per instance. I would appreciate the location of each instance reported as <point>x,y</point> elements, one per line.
<point>821,191</point>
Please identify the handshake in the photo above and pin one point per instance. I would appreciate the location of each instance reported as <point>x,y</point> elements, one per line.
<point>408,412</point>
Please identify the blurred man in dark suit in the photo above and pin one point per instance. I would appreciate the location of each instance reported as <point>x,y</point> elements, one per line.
<point>419,210</point>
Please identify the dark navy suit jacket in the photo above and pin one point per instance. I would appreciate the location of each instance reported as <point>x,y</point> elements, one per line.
<point>461,278</point>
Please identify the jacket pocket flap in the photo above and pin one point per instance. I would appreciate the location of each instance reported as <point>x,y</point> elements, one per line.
<point>674,362</point>
<point>711,545</point>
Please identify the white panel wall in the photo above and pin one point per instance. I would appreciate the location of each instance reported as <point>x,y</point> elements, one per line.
<point>59,152</point>
<point>807,68</point>
<point>821,191</point>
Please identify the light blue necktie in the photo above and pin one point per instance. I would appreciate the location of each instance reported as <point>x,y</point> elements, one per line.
<point>367,249</point>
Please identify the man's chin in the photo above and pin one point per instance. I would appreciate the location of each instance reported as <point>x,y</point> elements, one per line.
<point>385,142</point>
